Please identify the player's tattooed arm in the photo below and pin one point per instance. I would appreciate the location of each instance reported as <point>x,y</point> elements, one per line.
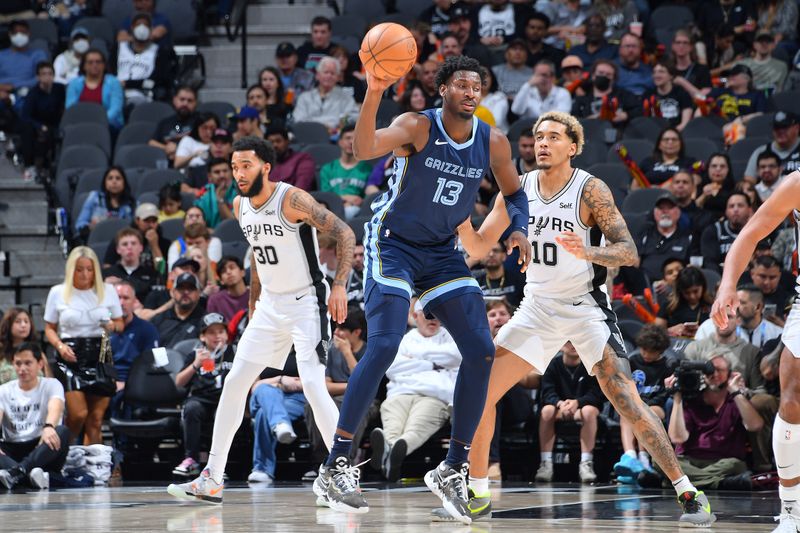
<point>620,250</point>
<point>303,207</point>
<point>255,285</point>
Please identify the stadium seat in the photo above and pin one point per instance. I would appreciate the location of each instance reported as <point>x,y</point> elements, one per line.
<point>155,179</point>
<point>703,128</point>
<point>147,197</point>
<point>713,279</point>
<point>637,148</point>
<point>670,18</point>
<point>229,231</point>
<point>366,205</point>
<point>624,313</point>
<point>357,225</point>
<point>369,9</point>
<point>87,134</point>
<point>106,230</point>
<point>593,152</point>
<point>738,166</point>
<point>760,125</point>
<point>171,229</point>
<point>82,157</point>
<point>744,148</point>
<point>616,176</point>
<point>135,133</point>
<point>187,200</point>
<point>387,110</point>
<point>641,200</point>
<point>310,133</point>
<point>182,15</point>
<point>151,112</point>
<point>516,129</point>
<point>44,29</point>
<point>636,221</point>
<point>237,249</point>
<point>700,149</point>
<point>68,178</point>
<point>84,112</point>
<point>598,131</point>
<point>141,155</point>
<point>348,25</point>
<point>786,101</point>
<point>77,204</point>
<point>116,11</point>
<point>648,128</point>
<point>331,200</point>
<point>100,28</point>
<point>323,153</point>
<point>90,180</point>
<point>186,347</point>
<point>630,328</point>
<point>223,110</point>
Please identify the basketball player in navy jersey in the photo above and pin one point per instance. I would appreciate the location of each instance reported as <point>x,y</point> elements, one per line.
<point>441,157</point>
<point>786,430</point>
<point>576,232</point>
<point>289,302</point>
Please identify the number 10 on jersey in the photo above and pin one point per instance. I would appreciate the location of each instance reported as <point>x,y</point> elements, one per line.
<point>548,255</point>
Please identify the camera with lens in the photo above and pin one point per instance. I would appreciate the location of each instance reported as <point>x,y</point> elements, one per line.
<point>690,380</point>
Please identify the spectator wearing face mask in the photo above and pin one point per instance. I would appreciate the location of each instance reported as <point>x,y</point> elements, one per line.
<point>18,62</point>
<point>144,67</point>
<point>67,63</point>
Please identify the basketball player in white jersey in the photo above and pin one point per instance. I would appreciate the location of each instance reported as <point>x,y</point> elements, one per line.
<point>287,301</point>
<point>783,202</point>
<point>576,232</point>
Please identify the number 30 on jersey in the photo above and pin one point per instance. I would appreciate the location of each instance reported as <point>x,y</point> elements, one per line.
<point>265,255</point>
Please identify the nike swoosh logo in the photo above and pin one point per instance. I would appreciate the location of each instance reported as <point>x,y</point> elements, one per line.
<point>213,492</point>
<point>576,304</point>
<point>467,448</point>
<point>299,297</point>
<point>439,142</point>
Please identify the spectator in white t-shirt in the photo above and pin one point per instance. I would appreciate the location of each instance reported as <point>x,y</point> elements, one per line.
<point>31,409</point>
<point>193,149</point>
<point>76,314</point>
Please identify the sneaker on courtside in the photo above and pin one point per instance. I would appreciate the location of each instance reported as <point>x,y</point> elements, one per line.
<point>545,472</point>
<point>586,472</point>
<point>188,468</point>
<point>787,521</point>
<point>450,485</point>
<point>480,508</point>
<point>338,487</point>
<point>204,488</point>
<point>696,510</point>
<point>39,479</point>
<point>628,466</point>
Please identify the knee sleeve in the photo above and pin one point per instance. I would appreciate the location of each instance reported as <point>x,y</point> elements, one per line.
<point>786,446</point>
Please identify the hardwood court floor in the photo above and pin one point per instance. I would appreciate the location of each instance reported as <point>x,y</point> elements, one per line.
<point>290,507</point>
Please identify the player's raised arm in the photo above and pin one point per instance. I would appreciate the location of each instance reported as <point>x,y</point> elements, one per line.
<point>478,243</point>
<point>620,250</point>
<point>516,201</point>
<point>777,207</point>
<point>407,130</point>
<point>302,207</point>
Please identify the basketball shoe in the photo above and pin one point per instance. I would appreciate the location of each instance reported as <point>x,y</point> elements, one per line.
<point>696,510</point>
<point>337,486</point>
<point>450,485</point>
<point>204,488</point>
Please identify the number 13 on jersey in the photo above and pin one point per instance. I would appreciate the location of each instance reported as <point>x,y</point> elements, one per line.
<point>447,191</point>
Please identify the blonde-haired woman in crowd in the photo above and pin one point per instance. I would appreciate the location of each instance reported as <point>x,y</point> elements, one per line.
<point>208,269</point>
<point>76,314</point>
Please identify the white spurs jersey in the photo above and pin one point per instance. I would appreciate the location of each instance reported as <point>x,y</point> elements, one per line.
<point>286,255</point>
<point>797,243</point>
<point>553,272</point>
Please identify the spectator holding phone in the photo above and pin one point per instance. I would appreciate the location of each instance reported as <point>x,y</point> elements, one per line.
<point>687,306</point>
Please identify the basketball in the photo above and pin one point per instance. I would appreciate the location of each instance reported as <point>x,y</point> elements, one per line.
<point>388,51</point>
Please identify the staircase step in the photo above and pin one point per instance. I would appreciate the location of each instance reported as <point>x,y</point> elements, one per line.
<point>18,230</point>
<point>24,241</point>
<point>23,213</point>
<point>233,96</point>
<point>39,265</point>
<point>286,16</point>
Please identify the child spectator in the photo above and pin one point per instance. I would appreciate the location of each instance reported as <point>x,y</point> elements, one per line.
<point>169,203</point>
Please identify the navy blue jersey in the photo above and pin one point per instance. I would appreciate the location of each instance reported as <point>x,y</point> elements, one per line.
<point>434,190</point>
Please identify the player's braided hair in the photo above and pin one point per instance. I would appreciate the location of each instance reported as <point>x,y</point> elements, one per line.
<point>455,63</point>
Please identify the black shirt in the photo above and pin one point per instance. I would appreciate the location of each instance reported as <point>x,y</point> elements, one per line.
<point>684,313</point>
<point>654,249</point>
<point>560,382</point>
<point>670,105</point>
<point>207,386</point>
<point>511,286</point>
<point>715,243</point>
<point>308,55</point>
<point>172,330</point>
<point>42,108</point>
<point>588,104</point>
<point>547,52</point>
<point>173,128</point>
<point>697,74</point>
<point>143,278</point>
<point>658,172</point>
<point>649,378</point>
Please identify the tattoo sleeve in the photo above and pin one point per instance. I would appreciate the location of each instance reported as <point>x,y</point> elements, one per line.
<point>620,250</point>
<point>255,285</point>
<point>314,214</point>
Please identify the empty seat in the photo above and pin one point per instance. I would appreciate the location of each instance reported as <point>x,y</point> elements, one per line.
<point>310,133</point>
<point>151,112</point>
<point>90,180</point>
<point>520,125</point>
<point>82,157</point>
<point>700,149</point>
<point>106,230</point>
<point>345,25</point>
<point>637,148</point>
<point>593,152</point>
<point>141,155</point>
<point>171,229</point>
<point>369,9</point>
<point>182,15</point>
<point>86,134</point>
<point>616,176</point>
<point>237,249</point>
<point>44,29</point>
<point>598,130</point>
<point>744,148</point>
<point>116,11</point>
<point>703,127</point>
<point>645,128</point>
<point>229,231</point>
<point>641,200</point>
<point>223,110</point>
<point>99,28</point>
<point>135,133</point>
<point>84,112</point>
<point>155,179</point>
<point>330,200</point>
<point>322,153</point>
<point>760,125</point>
<point>786,101</point>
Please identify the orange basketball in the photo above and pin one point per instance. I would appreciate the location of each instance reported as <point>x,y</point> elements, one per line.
<point>388,51</point>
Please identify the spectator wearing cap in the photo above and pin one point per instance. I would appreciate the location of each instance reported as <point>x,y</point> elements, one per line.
<point>160,298</point>
<point>182,320</point>
<point>514,73</point>
<point>193,149</point>
<point>216,198</point>
<point>500,21</point>
<point>769,73</point>
<point>440,15</point>
<point>541,94</point>
<point>173,128</point>
<point>295,79</point>
<point>327,104</point>
<point>294,168</point>
<point>145,219</point>
<point>161,27</point>
<point>68,62</point>
<point>785,143</point>
<point>346,176</point>
<point>313,50</point>
<point>235,294</point>
<point>248,123</point>
<point>738,100</point>
<point>663,238</point>
<point>634,75</point>
<point>18,61</point>
<point>667,100</point>
<point>572,75</point>
<point>130,245</point>
<point>535,31</point>
<point>204,373</point>
<point>595,46</point>
<point>461,25</point>
<point>144,68</point>
<point>221,148</point>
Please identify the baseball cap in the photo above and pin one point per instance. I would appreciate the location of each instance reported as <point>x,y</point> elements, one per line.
<point>221,134</point>
<point>210,319</point>
<point>187,279</point>
<point>666,195</point>
<point>764,35</point>
<point>247,112</point>
<point>741,69</point>
<point>187,262</point>
<point>285,49</point>
<point>518,43</point>
<point>784,119</point>
<point>146,210</point>
<point>459,12</point>
<point>79,31</point>
<point>571,61</point>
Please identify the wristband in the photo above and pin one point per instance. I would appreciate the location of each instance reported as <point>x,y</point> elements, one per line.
<point>517,207</point>
<point>48,425</point>
<point>736,393</point>
<point>196,368</point>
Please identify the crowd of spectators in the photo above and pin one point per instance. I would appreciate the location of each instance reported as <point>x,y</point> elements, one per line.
<point>186,289</point>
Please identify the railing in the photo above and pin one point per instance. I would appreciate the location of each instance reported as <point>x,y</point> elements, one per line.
<point>236,24</point>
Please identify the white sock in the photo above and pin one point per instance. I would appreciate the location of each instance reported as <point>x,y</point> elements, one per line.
<point>790,499</point>
<point>631,453</point>
<point>547,457</point>
<point>586,456</point>
<point>479,485</point>
<point>682,485</point>
<point>644,458</point>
